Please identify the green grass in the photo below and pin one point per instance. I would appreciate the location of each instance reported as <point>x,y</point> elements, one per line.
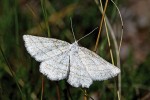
<point>19,72</point>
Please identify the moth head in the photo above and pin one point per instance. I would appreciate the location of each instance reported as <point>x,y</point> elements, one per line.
<point>74,46</point>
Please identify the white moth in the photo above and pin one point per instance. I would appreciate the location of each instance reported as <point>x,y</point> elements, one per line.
<point>62,60</point>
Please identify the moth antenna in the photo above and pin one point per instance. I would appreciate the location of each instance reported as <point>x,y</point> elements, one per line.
<point>87,34</point>
<point>72,29</point>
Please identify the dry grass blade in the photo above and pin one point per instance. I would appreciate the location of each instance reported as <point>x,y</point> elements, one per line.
<point>112,35</point>
<point>108,39</point>
<point>146,97</point>
<point>86,95</point>
<point>32,12</point>
<point>100,27</point>
<point>119,77</point>
<point>115,43</point>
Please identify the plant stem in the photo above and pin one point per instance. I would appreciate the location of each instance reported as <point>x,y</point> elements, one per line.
<point>16,22</point>
<point>115,45</point>
<point>12,73</point>
<point>85,94</point>
<point>42,91</point>
<point>45,16</point>
<point>68,90</point>
<point>58,91</point>
<point>100,27</point>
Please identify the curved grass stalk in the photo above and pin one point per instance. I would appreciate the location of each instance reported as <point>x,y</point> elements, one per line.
<point>121,24</point>
<point>119,77</point>
<point>109,44</point>
<point>115,43</point>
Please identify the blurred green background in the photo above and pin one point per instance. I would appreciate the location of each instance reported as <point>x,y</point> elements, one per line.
<point>19,17</point>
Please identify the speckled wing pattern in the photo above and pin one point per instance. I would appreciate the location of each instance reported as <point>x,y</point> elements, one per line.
<point>52,53</point>
<point>58,62</point>
<point>78,75</point>
<point>98,68</point>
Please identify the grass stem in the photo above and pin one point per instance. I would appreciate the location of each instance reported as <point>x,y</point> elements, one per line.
<point>45,16</point>
<point>16,22</point>
<point>12,73</point>
<point>42,91</point>
<point>100,27</point>
<point>117,49</point>
<point>58,91</point>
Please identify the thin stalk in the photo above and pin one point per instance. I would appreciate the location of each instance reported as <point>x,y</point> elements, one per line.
<point>45,16</point>
<point>115,45</point>
<point>32,11</point>
<point>68,91</point>
<point>120,43</point>
<point>118,94</point>
<point>119,77</point>
<point>100,27</point>
<point>34,15</point>
<point>85,94</point>
<point>109,44</point>
<point>16,22</point>
<point>1,90</point>
<point>114,11</point>
<point>58,91</point>
<point>12,73</point>
<point>42,91</point>
<point>42,78</point>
